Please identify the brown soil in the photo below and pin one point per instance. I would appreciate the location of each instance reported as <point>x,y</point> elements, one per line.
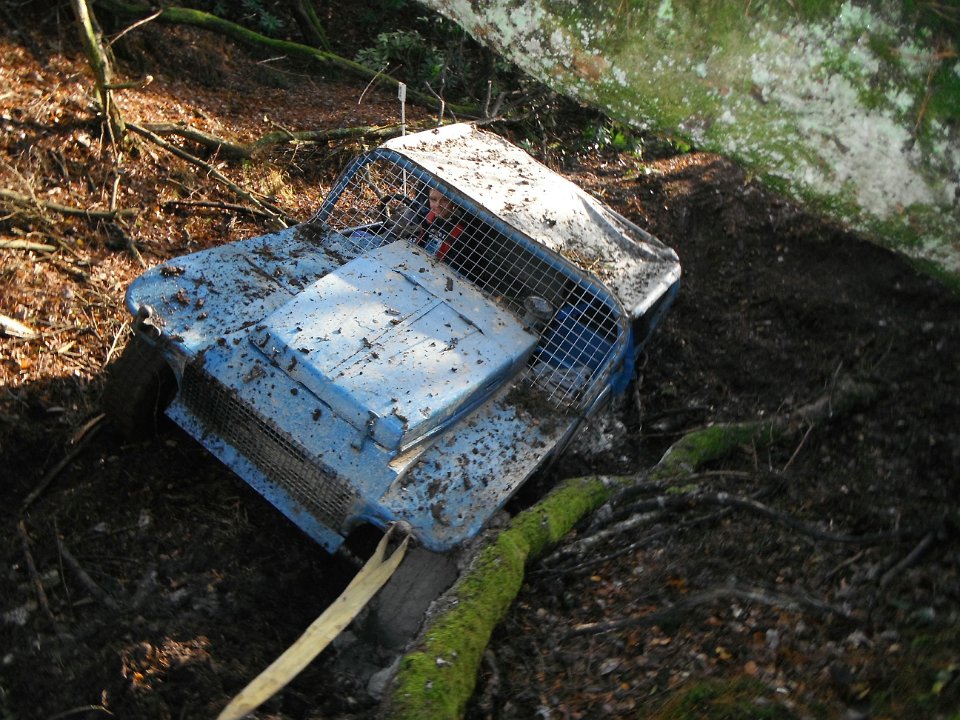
<point>202,584</point>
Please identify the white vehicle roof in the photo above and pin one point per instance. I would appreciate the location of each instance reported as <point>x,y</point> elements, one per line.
<point>546,207</point>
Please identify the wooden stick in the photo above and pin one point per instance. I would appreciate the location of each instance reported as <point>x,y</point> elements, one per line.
<point>58,468</point>
<point>26,245</point>
<point>214,173</point>
<point>88,582</point>
<point>66,209</point>
<point>34,575</point>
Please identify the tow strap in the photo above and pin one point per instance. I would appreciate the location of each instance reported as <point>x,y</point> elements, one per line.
<point>371,577</point>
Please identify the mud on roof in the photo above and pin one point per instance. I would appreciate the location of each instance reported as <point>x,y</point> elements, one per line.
<point>540,203</point>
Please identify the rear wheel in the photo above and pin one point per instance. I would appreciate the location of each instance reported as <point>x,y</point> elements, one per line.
<point>139,386</point>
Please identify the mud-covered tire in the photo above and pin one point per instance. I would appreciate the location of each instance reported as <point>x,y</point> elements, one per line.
<point>398,610</point>
<point>138,388</point>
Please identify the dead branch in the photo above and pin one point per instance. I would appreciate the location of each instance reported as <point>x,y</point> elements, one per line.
<point>266,207</point>
<point>224,148</point>
<point>88,582</point>
<point>675,613</point>
<point>722,499</point>
<point>238,151</point>
<point>697,448</point>
<point>66,209</point>
<point>34,575</point>
<point>229,207</point>
<point>58,468</point>
<point>909,560</point>
<point>130,245</point>
<point>14,328</point>
<point>26,245</point>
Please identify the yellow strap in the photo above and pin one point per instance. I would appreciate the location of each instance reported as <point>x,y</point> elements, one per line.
<point>321,632</point>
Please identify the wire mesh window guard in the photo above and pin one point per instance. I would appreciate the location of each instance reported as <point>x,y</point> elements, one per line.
<point>384,201</point>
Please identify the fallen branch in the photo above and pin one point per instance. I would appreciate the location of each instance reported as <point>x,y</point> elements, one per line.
<point>34,574</point>
<point>66,209</point>
<point>266,207</point>
<point>14,328</point>
<point>438,676</point>
<point>88,582</point>
<point>717,441</point>
<point>26,245</point>
<point>239,151</point>
<point>686,500</point>
<point>910,559</point>
<point>674,613</point>
<point>91,431</point>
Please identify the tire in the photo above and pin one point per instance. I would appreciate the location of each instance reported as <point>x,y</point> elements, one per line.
<point>398,610</point>
<point>138,388</point>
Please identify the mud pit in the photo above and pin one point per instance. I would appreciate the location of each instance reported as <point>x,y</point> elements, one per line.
<point>204,584</point>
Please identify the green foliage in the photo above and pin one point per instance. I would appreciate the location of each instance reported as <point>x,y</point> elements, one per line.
<point>254,14</point>
<point>612,135</point>
<point>405,54</point>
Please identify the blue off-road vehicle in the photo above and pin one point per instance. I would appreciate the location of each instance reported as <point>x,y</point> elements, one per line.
<point>444,325</point>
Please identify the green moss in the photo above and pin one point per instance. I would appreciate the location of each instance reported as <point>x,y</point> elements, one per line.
<point>436,680</point>
<point>697,448</point>
<point>739,698</point>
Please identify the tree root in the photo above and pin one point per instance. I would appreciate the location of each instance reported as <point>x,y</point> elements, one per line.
<point>675,613</point>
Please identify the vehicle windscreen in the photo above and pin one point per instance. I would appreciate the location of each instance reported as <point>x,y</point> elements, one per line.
<point>382,198</point>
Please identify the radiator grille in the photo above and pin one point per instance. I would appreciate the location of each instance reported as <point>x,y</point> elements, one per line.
<point>271,451</point>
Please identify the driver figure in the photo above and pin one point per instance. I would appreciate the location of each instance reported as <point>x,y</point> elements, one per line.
<point>442,226</point>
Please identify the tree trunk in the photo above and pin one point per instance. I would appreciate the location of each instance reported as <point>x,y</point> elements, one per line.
<point>310,25</point>
<point>100,62</point>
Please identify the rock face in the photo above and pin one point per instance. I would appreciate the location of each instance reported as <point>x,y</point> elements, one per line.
<point>852,108</point>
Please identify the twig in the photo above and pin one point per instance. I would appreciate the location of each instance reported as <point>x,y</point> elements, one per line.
<point>56,469</point>
<point>230,207</point>
<point>727,500</point>
<point>113,344</point>
<point>66,209</point>
<point>758,595</point>
<point>82,709</point>
<point>14,328</point>
<point>34,575</point>
<point>909,560</point>
<point>89,426</point>
<point>274,211</point>
<point>587,565</point>
<point>799,447</point>
<point>134,26</point>
<point>130,245</point>
<point>26,245</point>
<point>88,582</point>
<point>846,563</point>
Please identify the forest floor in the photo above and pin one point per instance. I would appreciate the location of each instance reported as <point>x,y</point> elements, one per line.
<point>146,581</point>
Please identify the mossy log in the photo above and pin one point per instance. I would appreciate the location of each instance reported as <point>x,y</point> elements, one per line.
<point>437,678</point>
